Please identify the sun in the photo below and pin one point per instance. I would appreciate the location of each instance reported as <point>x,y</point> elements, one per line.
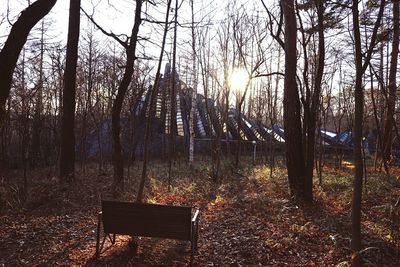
<point>238,79</point>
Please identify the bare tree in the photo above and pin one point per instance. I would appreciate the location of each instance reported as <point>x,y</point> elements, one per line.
<point>117,105</point>
<point>67,149</point>
<point>14,43</point>
<point>312,95</point>
<point>291,104</point>
<point>35,151</point>
<point>194,89</point>
<point>361,66</point>
<point>391,99</point>
<point>153,97</point>
<point>130,51</point>
<point>173,94</point>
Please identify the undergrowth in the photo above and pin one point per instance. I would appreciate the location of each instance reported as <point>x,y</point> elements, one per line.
<point>251,191</point>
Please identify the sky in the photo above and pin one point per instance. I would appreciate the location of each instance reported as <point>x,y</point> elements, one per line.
<point>115,19</point>
<point>117,16</point>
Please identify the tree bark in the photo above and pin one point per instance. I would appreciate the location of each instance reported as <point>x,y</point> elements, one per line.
<point>358,125</point>
<point>153,97</point>
<point>173,94</point>
<point>67,149</point>
<point>37,118</point>
<point>391,102</point>
<point>117,105</point>
<point>316,96</point>
<point>14,43</point>
<point>194,90</point>
<point>291,105</point>
<point>357,137</point>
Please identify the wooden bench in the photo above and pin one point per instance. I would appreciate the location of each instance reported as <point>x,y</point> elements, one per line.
<point>147,220</point>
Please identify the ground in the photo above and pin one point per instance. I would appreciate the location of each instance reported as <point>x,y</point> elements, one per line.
<point>246,220</point>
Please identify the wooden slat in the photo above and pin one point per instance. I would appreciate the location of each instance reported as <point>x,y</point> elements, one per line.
<point>147,220</point>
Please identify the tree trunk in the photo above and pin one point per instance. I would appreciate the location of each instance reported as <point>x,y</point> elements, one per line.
<point>391,101</point>
<point>153,97</point>
<point>37,119</point>
<point>173,94</point>
<point>67,153</point>
<point>194,91</point>
<point>14,43</point>
<point>357,137</point>
<point>358,124</point>
<point>291,105</point>
<point>312,119</point>
<point>239,128</point>
<point>119,99</point>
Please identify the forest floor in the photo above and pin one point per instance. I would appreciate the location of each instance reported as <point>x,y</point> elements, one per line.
<point>246,220</point>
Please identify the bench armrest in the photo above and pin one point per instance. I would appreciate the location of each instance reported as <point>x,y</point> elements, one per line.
<point>196,216</point>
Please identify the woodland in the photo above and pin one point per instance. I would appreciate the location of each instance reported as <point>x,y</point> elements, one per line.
<point>275,119</point>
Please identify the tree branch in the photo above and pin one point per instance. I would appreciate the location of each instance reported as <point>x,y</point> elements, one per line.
<point>373,37</point>
<point>272,18</point>
<point>268,74</point>
<point>109,34</point>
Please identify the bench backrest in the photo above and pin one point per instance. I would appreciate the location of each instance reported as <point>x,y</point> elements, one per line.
<point>149,220</point>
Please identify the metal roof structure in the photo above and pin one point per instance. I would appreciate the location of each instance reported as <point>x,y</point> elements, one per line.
<point>207,121</point>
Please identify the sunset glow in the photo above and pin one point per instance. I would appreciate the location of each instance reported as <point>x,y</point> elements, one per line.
<point>238,79</point>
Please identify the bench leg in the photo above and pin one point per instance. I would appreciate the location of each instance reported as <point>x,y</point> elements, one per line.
<point>192,247</point>
<point>193,241</point>
<point>112,238</point>
<point>98,236</point>
<point>100,245</point>
<point>191,252</point>
<point>195,236</point>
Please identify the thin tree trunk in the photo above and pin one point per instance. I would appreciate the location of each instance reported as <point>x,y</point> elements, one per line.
<point>37,124</point>
<point>194,91</point>
<point>379,144</point>
<point>118,157</point>
<point>173,94</point>
<point>239,128</point>
<point>153,97</point>
<point>273,115</point>
<point>88,104</point>
<point>311,123</point>
<point>24,129</point>
<point>357,126</point>
<point>391,103</point>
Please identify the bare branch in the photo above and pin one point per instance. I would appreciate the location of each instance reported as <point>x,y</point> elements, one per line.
<point>109,34</point>
<point>272,18</point>
<point>374,35</point>
<point>268,74</point>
